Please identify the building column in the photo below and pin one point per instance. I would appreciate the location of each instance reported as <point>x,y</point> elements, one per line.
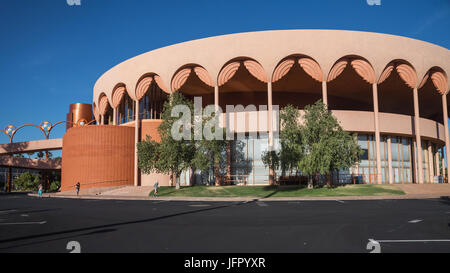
<point>391,175</point>
<point>430,162</point>
<point>324,93</point>
<point>418,139</point>
<point>436,160</point>
<point>270,113</point>
<point>414,160</point>
<point>377,131</point>
<point>114,116</point>
<point>216,95</point>
<point>136,140</point>
<point>447,142</point>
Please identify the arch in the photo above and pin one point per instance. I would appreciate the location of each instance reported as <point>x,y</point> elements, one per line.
<point>231,67</point>
<point>181,76</point>
<point>394,87</point>
<point>242,80</point>
<point>407,74</point>
<point>312,68</point>
<point>150,95</point>
<point>350,82</point>
<point>203,75</point>
<point>364,69</point>
<point>143,85</point>
<point>430,94</point>
<point>96,113</point>
<point>228,72</point>
<point>337,70</point>
<point>159,81</point>
<point>386,73</point>
<point>118,94</point>
<point>296,80</point>
<point>103,104</point>
<point>256,70</point>
<point>439,79</point>
<point>282,69</point>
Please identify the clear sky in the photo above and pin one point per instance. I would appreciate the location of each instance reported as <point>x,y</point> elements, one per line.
<point>53,53</point>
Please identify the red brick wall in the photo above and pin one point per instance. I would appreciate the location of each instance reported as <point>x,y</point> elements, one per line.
<point>97,156</point>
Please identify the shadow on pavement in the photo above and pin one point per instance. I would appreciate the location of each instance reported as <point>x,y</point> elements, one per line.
<point>109,227</point>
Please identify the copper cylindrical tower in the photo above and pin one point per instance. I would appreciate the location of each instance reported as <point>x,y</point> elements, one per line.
<point>78,112</point>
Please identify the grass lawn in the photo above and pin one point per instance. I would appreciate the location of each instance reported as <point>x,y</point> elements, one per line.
<point>283,191</point>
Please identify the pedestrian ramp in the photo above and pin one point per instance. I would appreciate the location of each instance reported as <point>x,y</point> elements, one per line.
<point>129,191</point>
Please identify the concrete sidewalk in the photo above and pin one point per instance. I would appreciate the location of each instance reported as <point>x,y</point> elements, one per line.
<point>412,191</point>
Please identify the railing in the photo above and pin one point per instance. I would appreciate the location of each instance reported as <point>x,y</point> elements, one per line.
<point>111,182</point>
<point>236,179</point>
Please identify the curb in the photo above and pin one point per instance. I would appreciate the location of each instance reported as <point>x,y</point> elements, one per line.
<point>249,199</point>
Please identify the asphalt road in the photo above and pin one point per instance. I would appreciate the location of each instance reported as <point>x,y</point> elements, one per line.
<point>29,224</point>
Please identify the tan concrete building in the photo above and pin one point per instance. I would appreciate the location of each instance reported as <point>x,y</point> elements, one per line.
<point>390,90</point>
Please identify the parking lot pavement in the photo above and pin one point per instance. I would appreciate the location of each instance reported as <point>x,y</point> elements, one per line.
<point>29,224</point>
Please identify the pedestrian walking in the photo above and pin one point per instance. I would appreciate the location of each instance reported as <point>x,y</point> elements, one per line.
<point>40,190</point>
<point>155,191</point>
<point>77,187</point>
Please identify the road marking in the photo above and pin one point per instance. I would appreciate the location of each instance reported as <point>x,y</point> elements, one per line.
<point>162,201</point>
<point>340,201</point>
<point>415,221</point>
<point>412,241</point>
<point>23,223</point>
<point>199,205</point>
<point>7,211</point>
<point>375,247</point>
<point>261,204</point>
<point>24,215</point>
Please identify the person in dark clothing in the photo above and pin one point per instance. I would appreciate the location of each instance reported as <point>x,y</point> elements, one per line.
<point>77,187</point>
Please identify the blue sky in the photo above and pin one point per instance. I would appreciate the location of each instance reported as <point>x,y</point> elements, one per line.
<point>52,53</point>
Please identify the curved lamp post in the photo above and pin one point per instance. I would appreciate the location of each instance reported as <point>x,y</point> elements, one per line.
<point>46,128</point>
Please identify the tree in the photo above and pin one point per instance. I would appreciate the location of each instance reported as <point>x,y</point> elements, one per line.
<point>209,150</point>
<point>27,182</point>
<point>327,147</point>
<point>290,151</point>
<point>271,159</point>
<point>171,155</point>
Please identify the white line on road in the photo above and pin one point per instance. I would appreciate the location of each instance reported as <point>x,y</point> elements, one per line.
<point>23,223</point>
<point>340,201</point>
<point>199,205</point>
<point>262,204</point>
<point>411,241</point>
<point>415,221</point>
<point>7,211</point>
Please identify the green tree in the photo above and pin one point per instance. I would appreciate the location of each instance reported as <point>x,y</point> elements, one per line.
<point>169,156</point>
<point>290,151</point>
<point>327,147</point>
<point>209,151</point>
<point>271,159</point>
<point>27,182</point>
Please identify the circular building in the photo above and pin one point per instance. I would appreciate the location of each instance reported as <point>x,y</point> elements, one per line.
<point>390,90</point>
